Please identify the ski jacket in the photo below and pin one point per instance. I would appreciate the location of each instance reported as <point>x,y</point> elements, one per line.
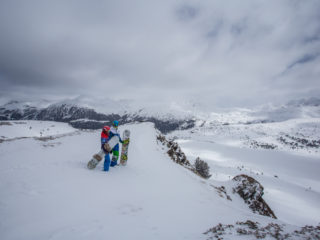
<point>105,134</point>
<point>114,132</point>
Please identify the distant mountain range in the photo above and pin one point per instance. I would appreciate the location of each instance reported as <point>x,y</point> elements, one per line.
<point>86,118</point>
<point>83,114</point>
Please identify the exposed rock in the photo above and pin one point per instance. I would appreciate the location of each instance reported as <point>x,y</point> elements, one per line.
<point>252,191</point>
<point>255,144</point>
<point>178,156</point>
<point>222,192</point>
<point>5,123</point>
<point>249,229</point>
<point>299,143</point>
<point>174,151</point>
<point>218,231</point>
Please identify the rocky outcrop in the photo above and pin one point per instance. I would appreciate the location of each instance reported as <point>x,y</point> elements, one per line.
<point>255,230</point>
<point>251,191</point>
<point>174,151</point>
<point>201,168</point>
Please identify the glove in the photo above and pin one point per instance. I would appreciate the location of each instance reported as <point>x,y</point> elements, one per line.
<point>126,141</point>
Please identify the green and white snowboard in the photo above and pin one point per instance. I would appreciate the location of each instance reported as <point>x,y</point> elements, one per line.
<point>124,149</point>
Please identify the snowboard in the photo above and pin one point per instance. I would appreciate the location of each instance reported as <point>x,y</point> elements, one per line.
<point>124,149</point>
<point>96,158</point>
<point>111,143</point>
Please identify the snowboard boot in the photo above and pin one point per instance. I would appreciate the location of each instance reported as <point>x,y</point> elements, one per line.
<point>114,161</point>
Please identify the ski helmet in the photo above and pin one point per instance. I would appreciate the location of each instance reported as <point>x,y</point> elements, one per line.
<point>115,123</point>
<point>106,129</point>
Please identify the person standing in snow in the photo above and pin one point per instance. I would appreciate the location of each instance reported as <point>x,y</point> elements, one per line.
<point>106,135</point>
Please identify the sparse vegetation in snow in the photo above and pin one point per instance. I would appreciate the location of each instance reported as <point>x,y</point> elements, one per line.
<point>250,229</point>
<point>202,168</point>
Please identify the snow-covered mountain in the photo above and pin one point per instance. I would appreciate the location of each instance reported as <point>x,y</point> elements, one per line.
<point>263,179</point>
<point>92,113</point>
<point>303,108</point>
<point>82,113</point>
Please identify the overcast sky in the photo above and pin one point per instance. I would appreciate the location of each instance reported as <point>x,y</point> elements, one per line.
<point>228,53</point>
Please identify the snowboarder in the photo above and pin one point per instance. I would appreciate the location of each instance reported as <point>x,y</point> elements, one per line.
<point>106,135</point>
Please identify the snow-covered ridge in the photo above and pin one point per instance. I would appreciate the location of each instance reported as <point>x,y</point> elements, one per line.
<point>18,104</point>
<point>167,117</point>
<point>81,116</point>
<point>153,197</point>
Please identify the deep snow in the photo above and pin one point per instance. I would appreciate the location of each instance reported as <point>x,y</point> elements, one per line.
<point>48,193</point>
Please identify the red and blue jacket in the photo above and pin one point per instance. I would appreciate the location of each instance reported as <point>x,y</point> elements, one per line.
<point>107,133</point>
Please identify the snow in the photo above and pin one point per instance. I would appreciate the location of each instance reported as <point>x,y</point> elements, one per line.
<point>18,129</point>
<point>22,104</point>
<point>48,193</point>
<point>244,135</point>
<point>295,187</point>
<point>290,176</point>
<point>99,104</point>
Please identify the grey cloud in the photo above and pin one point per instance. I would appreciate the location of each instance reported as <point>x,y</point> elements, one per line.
<point>215,30</point>
<point>305,59</point>
<point>239,27</point>
<point>217,51</point>
<point>187,12</point>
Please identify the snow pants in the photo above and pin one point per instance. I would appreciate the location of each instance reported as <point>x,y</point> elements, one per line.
<point>114,161</point>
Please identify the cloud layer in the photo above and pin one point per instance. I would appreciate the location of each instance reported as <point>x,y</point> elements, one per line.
<point>231,53</point>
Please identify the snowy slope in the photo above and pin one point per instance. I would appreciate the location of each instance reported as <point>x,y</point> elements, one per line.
<point>288,169</point>
<point>10,130</point>
<point>300,136</point>
<point>291,182</point>
<point>48,193</point>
